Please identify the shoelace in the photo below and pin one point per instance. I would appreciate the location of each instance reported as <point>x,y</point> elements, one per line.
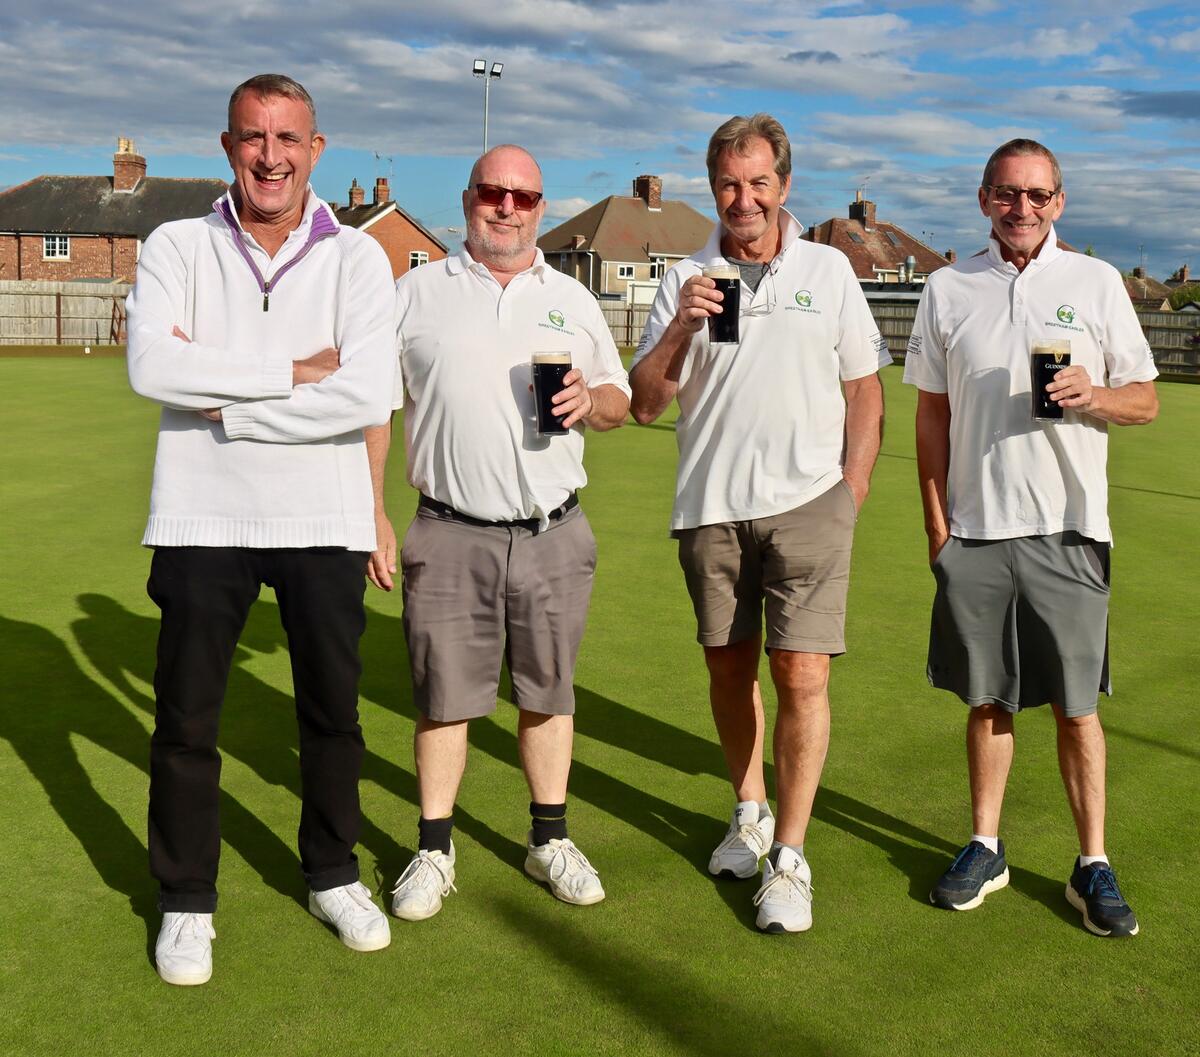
<point>566,856</point>
<point>783,878</point>
<point>1104,884</point>
<point>423,860</point>
<point>969,859</point>
<point>191,926</point>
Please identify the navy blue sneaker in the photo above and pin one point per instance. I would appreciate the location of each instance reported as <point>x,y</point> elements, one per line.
<point>1093,891</point>
<point>975,873</point>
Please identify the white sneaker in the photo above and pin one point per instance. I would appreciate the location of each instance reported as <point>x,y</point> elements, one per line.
<point>565,869</point>
<point>360,924</point>
<point>183,951</point>
<point>785,899</point>
<point>748,840</point>
<point>426,881</point>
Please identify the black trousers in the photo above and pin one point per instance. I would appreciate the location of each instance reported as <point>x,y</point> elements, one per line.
<point>205,594</point>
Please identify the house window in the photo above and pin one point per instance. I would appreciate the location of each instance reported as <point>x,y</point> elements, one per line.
<point>658,268</point>
<point>564,261</point>
<point>417,258</point>
<point>891,236</point>
<point>855,237</point>
<point>56,248</point>
<point>624,271</point>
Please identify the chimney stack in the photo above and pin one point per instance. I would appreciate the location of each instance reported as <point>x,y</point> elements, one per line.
<point>649,190</point>
<point>863,211</point>
<point>128,166</point>
<point>356,194</point>
<point>577,241</point>
<point>382,194</point>
<point>951,256</point>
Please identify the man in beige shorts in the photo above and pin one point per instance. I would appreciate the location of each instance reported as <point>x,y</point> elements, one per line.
<point>778,435</point>
<point>498,562</point>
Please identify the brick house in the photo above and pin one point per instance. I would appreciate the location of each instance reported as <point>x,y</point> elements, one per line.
<point>622,246</point>
<point>879,252</point>
<point>1147,292</point>
<point>92,227</point>
<point>407,242</point>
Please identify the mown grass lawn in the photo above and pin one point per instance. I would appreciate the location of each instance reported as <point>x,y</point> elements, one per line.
<point>670,963</point>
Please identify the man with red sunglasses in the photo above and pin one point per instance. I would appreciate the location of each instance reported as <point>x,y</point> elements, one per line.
<point>498,562</point>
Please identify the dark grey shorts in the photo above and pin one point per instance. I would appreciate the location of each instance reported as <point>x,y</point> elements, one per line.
<point>1022,622</point>
<point>795,564</point>
<point>477,595</point>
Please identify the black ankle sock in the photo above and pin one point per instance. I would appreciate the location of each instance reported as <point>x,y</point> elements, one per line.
<point>434,834</point>
<point>549,822</point>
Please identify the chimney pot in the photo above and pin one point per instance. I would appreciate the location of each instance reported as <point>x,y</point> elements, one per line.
<point>128,166</point>
<point>356,194</point>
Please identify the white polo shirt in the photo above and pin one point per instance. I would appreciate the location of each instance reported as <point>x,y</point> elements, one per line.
<point>1011,475</point>
<point>465,344</point>
<point>761,423</point>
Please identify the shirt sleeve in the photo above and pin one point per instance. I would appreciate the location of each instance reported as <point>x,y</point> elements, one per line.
<point>180,374</point>
<point>360,392</point>
<point>1127,355</point>
<point>666,301</point>
<point>862,350</point>
<point>925,358</point>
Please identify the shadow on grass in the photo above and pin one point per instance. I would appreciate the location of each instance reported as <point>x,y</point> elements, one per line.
<point>713,1020</point>
<point>1153,743</point>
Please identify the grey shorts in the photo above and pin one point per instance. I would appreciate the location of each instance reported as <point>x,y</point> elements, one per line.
<point>1022,622</point>
<point>476,595</point>
<point>796,564</point>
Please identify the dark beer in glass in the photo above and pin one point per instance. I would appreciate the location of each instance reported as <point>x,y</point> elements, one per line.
<point>1046,360</point>
<point>549,369</point>
<point>723,328</point>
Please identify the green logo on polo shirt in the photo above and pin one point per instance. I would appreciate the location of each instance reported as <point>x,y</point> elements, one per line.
<point>1066,314</point>
<point>804,299</point>
<point>558,319</point>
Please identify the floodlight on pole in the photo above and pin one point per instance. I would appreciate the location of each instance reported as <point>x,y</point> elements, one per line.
<point>479,68</point>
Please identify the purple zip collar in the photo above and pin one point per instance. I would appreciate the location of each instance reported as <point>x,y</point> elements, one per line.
<point>322,227</point>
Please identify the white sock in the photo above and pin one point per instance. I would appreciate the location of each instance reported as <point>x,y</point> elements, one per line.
<point>991,843</point>
<point>1087,860</point>
<point>746,811</point>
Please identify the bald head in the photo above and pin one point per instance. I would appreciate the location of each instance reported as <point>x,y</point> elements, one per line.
<point>504,156</point>
<point>503,234</point>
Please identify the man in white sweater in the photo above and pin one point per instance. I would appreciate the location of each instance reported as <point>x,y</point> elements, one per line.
<point>266,332</point>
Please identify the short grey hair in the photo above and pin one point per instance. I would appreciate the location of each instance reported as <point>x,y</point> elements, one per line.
<point>268,85</point>
<point>1021,148</point>
<point>736,135</point>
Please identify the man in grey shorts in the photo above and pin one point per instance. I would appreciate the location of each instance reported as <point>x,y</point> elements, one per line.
<point>777,438</point>
<point>497,564</point>
<point>1016,507</point>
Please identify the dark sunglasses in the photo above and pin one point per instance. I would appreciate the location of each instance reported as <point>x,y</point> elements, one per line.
<point>493,195</point>
<point>1038,197</point>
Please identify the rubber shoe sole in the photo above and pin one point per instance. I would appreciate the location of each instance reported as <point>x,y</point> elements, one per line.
<point>994,885</point>
<point>353,942</point>
<point>183,979</point>
<point>1077,901</point>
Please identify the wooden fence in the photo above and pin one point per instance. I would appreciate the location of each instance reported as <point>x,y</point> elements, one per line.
<point>34,312</point>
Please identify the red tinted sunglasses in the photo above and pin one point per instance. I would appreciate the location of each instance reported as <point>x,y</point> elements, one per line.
<point>493,195</point>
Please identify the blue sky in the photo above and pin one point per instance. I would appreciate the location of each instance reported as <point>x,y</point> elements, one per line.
<point>906,98</point>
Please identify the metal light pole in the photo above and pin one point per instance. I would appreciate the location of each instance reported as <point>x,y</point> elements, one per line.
<point>480,69</point>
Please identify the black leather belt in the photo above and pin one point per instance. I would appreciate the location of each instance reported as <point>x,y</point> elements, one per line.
<point>530,523</point>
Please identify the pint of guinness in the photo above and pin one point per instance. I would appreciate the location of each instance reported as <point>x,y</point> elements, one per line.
<point>723,328</point>
<point>1046,360</point>
<point>549,369</point>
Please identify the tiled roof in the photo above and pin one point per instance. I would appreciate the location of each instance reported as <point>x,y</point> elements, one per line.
<point>88,205</point>
<point>625,229</point>
<point>360,216</point>
<point>1144,288</point>
<point>884,246</point>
